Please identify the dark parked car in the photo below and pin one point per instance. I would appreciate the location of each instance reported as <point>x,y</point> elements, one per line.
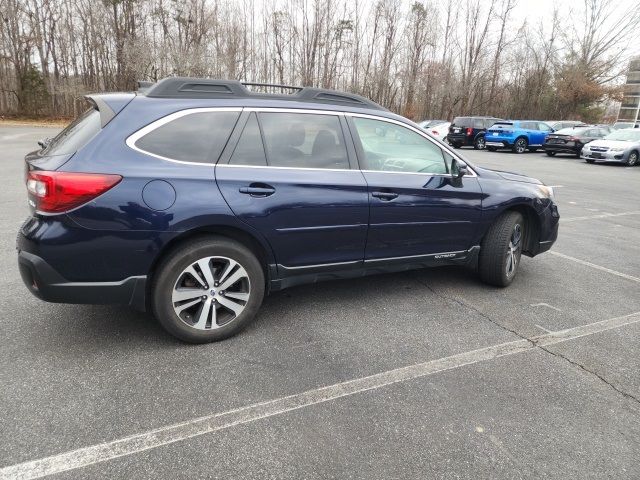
<point>571,140</point>
<point>198,197</point>
<point>469,131</point>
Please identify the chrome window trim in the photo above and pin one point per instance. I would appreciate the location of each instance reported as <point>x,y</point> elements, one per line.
<point>226,165</point>
<point>133,138</point>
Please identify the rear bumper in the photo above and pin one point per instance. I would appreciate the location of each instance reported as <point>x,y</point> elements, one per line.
<point>559,148</point>
<point>498,142</point>
<point>460,138</point>
<point>46,283</point>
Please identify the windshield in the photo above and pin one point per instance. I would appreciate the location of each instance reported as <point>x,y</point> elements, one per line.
<point>629,135</point>
<point>619,125</point>
<point>76,135</point>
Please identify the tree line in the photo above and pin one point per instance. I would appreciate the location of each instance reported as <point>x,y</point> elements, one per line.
<point>422,59</point>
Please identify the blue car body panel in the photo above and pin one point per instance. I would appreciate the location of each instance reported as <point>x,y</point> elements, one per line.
<point>504,134</point>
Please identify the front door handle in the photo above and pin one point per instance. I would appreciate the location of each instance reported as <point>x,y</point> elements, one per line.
<point>384,196</point>
<point>258,190</point>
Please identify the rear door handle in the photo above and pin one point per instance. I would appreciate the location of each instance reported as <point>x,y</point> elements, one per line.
<point>384,196</point>
<point>258,190</point>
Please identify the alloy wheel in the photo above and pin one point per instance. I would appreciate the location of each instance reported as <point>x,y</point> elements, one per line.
<point>521,145</point>
<point>480,143</point>
<point>633,159</point>
<point>513,250</point>
<point>211,293</point>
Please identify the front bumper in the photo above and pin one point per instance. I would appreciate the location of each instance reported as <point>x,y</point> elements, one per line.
<point>549,223</point>
<point>47,284</point>
<point>608,156</point>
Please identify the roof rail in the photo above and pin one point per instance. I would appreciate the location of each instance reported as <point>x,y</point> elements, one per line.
<point>181,87</point>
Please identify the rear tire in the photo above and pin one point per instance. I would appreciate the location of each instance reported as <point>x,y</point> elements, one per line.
<point>550,154</point>
<point>520,145</point>
<point>186,273</point>
<point>479,143</point>
<point>455,145</point>
<point>590,161</point>
<point>501,249</point>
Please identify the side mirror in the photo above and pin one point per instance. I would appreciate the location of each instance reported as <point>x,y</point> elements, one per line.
<point>458,169</point>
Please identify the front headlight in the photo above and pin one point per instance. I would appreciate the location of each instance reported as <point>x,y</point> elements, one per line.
<point>618,149</point>
<point>545,191</point>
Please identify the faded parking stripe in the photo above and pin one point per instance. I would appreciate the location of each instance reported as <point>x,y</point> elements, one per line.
<point>200,426</point>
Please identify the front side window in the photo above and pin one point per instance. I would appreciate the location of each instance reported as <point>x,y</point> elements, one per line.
<point>303,140</point>
<point>194,137</point>
<point>392,148</point>
<point>544,127</point>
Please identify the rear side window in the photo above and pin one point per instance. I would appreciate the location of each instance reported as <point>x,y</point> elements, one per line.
<point>76,135</point>
<point>303,140</point>
<point>478,123</point>
<point>194,137</point>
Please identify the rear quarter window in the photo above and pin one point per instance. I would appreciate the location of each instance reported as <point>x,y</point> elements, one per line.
<point>195,137</point>
<point>76,135</point>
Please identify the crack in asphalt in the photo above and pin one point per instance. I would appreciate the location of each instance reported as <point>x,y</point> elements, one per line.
<point>530,340</point>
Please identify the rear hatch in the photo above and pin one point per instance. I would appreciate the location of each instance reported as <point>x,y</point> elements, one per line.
<point>459,125</point>
<point>500,128</point>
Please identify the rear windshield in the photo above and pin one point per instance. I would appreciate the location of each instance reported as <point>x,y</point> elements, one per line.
<point>502,124</point>
<point>461,121</point>
<point>76,135</point>
<point>572,130</point>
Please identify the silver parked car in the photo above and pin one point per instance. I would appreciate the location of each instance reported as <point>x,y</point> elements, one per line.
<point>619,146</point>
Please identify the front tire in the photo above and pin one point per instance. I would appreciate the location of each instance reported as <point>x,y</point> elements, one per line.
<point>633,159</point>
<point>208,289</point>
<point>501,249</point>
<point>550,153</point>
<point>520,145</point>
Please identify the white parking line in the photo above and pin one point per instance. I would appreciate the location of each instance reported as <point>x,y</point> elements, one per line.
<point>601,215</point>
<point>597,267</point>
<point>212,423</point>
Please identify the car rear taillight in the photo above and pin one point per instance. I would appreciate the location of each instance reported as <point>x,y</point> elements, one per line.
<point>573,139</point>
<point>57,192</point>
<point>469,131</point>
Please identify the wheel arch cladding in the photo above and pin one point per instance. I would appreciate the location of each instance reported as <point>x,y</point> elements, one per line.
<point>233,233</point>
<point>532,225</point>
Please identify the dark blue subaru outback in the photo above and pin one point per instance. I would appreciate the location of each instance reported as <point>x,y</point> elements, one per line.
<point>197,197</point>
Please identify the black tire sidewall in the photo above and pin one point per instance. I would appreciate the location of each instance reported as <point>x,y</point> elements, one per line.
<point>515,145</point>
<point>181,258</point>
<point>492,261</point>
<point>633,163</point>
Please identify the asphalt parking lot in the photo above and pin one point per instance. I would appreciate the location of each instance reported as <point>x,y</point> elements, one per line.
<point>425,374</point>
